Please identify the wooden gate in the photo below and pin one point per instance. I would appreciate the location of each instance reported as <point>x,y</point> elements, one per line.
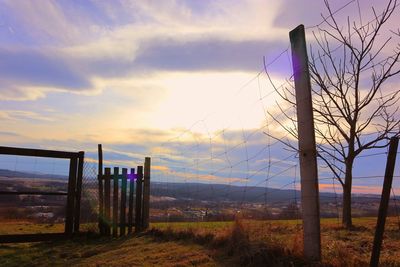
<point>124,199</point>
<point>73,193</point>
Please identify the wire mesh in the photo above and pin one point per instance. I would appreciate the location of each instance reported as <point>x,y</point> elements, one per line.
<point>89,199</point>
<point>223,166</point>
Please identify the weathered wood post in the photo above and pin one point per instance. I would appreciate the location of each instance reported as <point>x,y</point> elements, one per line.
<point>146,193</point>
<point>307,147</point>
<point>78,193</point>
<point>100,188</point>
<point>115,203</point>
<point>138,208</point>
<point>383,206</point>
<point>69,218</point>
<point>107,201</point>
<point>131,203</point>
<point>122,212</point>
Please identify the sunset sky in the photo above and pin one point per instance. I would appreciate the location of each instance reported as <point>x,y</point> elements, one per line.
<point>160,79</point>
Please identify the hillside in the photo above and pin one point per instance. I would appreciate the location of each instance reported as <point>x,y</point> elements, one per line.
<point>223,192</point>
<point>246,243</point>
<point>19,174</point>
<point>208,192</point>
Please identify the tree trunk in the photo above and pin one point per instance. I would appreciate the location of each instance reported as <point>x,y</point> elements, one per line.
<point>346,216</point>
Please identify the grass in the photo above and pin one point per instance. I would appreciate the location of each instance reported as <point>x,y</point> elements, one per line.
<point>29,227</point>
<point>139,251</point>
<point>241,243</point>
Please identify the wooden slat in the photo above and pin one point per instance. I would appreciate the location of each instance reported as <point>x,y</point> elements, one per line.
<point>138,209</point>
<point>146,193</point>
<point>69,220</point>
<point>37,152</point>
<point>115,204</point>
<point>78,192</point>
<point>122,212</point>
<point>107,201</point>
<point>101,193</point>
<point>131,191</point>
<point>101,222</point>
<point>119,177</point>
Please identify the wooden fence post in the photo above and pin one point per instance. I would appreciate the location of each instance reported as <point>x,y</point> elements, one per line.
<point>131,191</point>
<point>69,220</point>
<point>383,206</point>
<point>100,188</point>
<point>138,209</point>
<point>307,146</point>
<point>146,193</point>
<point>107,201</point>
<point>115,203</point>
<point>122,212</point>
<point>81,159</point>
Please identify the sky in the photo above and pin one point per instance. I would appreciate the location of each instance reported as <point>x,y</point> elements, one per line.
<point>180,81</point>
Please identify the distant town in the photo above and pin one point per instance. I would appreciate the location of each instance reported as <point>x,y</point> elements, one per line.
<point>172,202</point>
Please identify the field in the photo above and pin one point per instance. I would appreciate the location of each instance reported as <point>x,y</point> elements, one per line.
<point>241,243</point>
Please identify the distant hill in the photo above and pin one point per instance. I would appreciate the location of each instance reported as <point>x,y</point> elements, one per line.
<point>223,192</point>
<point>213,192</point>
<point>18,174</point>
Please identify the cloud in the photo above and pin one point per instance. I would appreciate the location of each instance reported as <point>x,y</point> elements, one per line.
<point>172,54</point>
<point>206,54</point>
<point>300,12</point>
<point>23,115</point>
<point>161,65</point>
<point>28,74</point>
<point>40,24</point>
<point>38,69</point>
<point>9,134</point>
<point>356,189</point>
<point>16,93</point>
<point>92,41</point>
<point>193,177</point>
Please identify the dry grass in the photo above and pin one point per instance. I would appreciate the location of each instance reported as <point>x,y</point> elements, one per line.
<point>137,251</point>
<point>240,243</point>
<point>29,227</point>
<point>283,239</point>
<point>232,245</point>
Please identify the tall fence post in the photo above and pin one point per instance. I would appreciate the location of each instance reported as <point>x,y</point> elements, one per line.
<point>146,193</point>
<point>107,201</point>
<point>131,203</point>
<point>138,209</point>
<point>69,220</point>
<point>383,206</point>
<point>307,146</point>
<point>78,192</point>
<point>100,188</point>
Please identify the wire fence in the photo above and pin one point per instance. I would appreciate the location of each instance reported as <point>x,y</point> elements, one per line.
<point>89,199</point>
<point>235,162</point>
<point>240,161</point>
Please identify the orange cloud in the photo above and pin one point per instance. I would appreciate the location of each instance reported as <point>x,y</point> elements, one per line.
<point>197,177</point>
<point>357,189</point>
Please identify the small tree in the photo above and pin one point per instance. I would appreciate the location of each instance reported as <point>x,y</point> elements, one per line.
<point>354,110</point>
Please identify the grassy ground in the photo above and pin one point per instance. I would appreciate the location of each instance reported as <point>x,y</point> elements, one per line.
<point>246,243</point>
<point>138,251</point>
<point>28,227</point>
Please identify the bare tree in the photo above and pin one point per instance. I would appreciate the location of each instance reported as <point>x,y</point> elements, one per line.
<point>355,110</point>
